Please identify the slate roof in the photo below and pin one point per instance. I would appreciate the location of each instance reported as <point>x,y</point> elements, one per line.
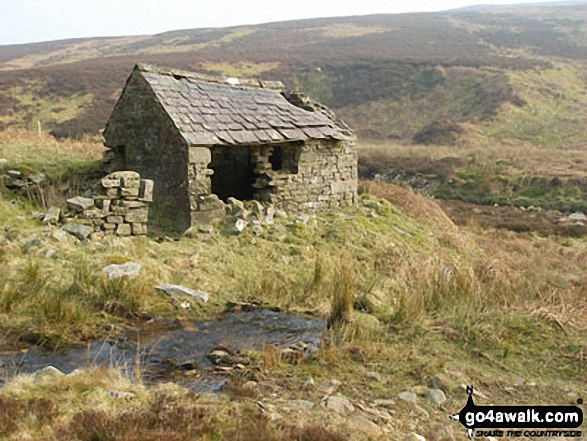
<point>216,111</point>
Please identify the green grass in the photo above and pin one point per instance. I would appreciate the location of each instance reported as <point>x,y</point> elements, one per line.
<point>554,116</point>
<point>473,184</point>
<point>410,295</point>
<point>34,106</point>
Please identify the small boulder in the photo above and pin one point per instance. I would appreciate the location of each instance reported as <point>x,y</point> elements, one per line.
<point>578,217</point>
<point>49,254</point>
<point>303,404</point>
<point>329,387</point>
<point>52,215</point>
<point>118,395</point>
<point>206,229</point>
<point>240,225</point>
<point>48,373</point>
<point>178,290</point>
<point>365,425</point>
<point>80,203</point>
<point>128,269</point>
<point>32,242</point>
<point>37,178</point>
<point>257,207</point>
<point>79,231</point>
<point>60,236</point>
<point>389,404</point>
<point>436,397</point>
<point>408,396</point>
<point>338,403</point>
<point>308,384</point>
<point>375,376</point>
<point>280,213</point>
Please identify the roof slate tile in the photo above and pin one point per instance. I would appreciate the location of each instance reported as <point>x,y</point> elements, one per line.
<point>209,113</point>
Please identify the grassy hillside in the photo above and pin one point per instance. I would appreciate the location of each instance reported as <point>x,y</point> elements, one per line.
<point>425,299</point>
<point>391,76</point>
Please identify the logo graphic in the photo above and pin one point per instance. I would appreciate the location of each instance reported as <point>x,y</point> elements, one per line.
<point>474,417</point>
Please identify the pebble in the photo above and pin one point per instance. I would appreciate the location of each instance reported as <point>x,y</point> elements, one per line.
<point>436,397</point>
<point>206,229</point>
<point>121,395</point>
<point>128,269</point>
<point>328,387</point>
<point>384,403</point>
<point>338,403</point>
<point>365,425</point>
<point>375,376</point>
<point>408,396</point>
<point>303,403</point>
<point>177,290</point>
<point>414,437</point>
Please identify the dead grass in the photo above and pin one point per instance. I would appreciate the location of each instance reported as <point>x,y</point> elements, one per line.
<point>44,153</point>
<point>433,297</point>
<point>343,297</point>
<point>514,159</point>
<point>79,407</point>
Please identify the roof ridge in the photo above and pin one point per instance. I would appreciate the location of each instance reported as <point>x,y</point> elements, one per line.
<point>172,72</point>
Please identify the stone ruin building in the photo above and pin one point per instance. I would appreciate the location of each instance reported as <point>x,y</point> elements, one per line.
<point>203,140</point>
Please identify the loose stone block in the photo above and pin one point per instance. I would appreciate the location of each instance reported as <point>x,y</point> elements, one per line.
<point>123,230</point>
<point>120,211</point>
<point>78,230</point>
<point>127,179</point>
<point>115,219</point>
<point>129,192</point>
<point>80,203</point>
<point>52,215</point>
<point>146,190</point>
<point>92,213</point>
<point>112,192</point>
<point>110,183</point>
<point>139,215</point>
<point>133,204</point>
<point>139,229</point>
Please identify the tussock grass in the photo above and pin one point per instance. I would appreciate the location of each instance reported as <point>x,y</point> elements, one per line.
<point>43,154</point>
<point>486,172</point>
<point>342,296</point>
<point>80,407</point>
<point>412,296</point>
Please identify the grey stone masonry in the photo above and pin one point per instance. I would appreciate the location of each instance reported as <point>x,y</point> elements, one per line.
<point>201,141</point>
<point>119,206</point>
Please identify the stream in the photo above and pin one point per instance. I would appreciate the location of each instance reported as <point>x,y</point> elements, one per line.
<point>178,355</point>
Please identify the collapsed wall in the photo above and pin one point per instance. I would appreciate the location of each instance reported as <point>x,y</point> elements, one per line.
<point>120,207</point>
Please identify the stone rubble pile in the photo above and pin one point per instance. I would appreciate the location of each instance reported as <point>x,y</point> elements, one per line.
<point>16,180</point>
<point>252,213</point>
<point>120,207</point>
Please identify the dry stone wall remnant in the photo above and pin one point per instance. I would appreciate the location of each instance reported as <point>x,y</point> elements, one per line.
<point>120,207</point>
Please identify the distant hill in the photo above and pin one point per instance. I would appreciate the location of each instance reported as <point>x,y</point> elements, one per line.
<point>514,73</point>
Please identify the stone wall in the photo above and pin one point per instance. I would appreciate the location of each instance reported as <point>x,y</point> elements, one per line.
<point>142,137</point>
<point>204,206</point>
<point>296,176</point>
<point>326,177</point>
<point>119,207</point>
<point>299,177</point>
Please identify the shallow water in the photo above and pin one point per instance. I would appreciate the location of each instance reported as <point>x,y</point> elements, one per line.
<point>170,355</point>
